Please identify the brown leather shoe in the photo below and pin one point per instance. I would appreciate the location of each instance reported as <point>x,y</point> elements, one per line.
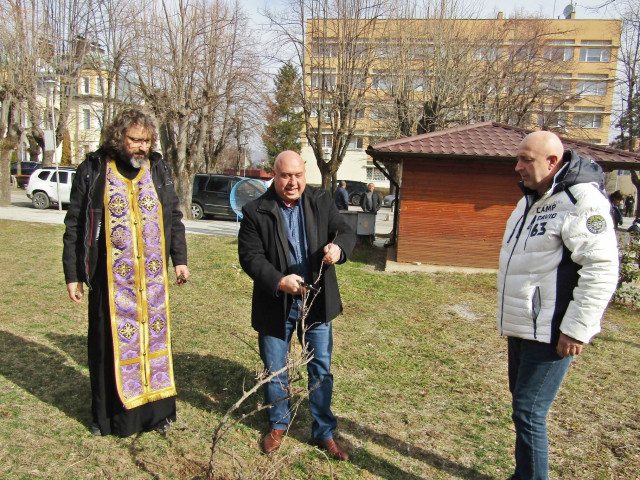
<point>333,448</point>
<point>272,440</point>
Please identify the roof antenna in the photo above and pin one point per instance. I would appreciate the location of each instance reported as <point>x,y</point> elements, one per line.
<point>569,11</point>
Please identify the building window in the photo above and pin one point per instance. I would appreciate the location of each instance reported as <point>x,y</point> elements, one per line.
<point>552,120</point>
<point>419,84</point>
<point>325,47</point>
<point>83,150</point>
<point>560,85</point>
<point>86,85</point>
<point>356,142</point>
<point>377,113</point>
<point>488,53</point>
<point>359,81</point>
<point>86,119</point>
<point>588,88</point>
<point>374,175</point>
<point>594,54</point>
<point>559,54</point>
<point>382,80</point>
<point>100,86</point>
<point>589,120</point>
<point>323,78</point>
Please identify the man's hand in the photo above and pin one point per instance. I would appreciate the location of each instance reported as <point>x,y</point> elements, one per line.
<point>332,254</point>
<point>182,274</point>
<point>76,291</point>
<point>292,284</point>
<point>568,346</point>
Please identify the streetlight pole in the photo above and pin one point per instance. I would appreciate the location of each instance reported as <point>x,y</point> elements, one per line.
<point>51,83</point>
<point>244,162</point>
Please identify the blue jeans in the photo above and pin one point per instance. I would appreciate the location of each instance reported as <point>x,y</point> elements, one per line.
<point>273,352</point>
<point>535,374</point>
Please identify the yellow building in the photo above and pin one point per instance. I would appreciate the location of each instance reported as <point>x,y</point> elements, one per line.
<point>86,113</point>
<point>552,74</point>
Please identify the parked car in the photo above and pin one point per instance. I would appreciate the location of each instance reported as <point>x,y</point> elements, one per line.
<point>389,201</point>
<point>355,191</point>
<point>42,188</point>
<point>26,169</point>
<point>211,195</point>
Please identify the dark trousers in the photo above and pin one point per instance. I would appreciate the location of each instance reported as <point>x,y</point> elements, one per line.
<point>536,372</point>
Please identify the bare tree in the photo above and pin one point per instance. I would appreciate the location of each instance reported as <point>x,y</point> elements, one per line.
<point>628,82</point>
<point>18,76</point>
<point>331,41</point>
<point>194,67</point>
<point>521,74</point>
<point>426,51</point>
<point>112,23</point>
<point>63,37</point>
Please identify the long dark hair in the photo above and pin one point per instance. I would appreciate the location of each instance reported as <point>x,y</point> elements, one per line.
<point>113,136</point>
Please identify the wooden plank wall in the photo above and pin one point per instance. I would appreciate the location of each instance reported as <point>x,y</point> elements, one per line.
<point>454,213</point>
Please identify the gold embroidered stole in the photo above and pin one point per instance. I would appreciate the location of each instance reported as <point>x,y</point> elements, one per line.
<point>138,288</point>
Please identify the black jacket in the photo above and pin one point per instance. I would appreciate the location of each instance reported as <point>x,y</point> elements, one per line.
<point>264,254</point>
<point>85,215</point>
<point>375,200</point>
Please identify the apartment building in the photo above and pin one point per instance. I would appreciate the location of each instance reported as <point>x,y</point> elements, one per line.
<point>86,113</point>
<point>556,74</point>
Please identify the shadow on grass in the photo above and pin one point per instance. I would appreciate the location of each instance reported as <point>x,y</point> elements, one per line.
<point>407,449</point>
<point>206,382</point>
<point>214,384</point>
<point>42,372</point>
<point>74,345</point>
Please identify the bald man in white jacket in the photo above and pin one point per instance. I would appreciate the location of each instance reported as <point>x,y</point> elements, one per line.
<point>558,271</point>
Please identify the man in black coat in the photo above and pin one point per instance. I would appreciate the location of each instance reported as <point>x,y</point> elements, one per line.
<point>290,238</point>
<point>370,200</point>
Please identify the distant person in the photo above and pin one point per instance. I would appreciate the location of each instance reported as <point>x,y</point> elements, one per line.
<point>629,203</point>
<point>122,226</point>
<point>371,201</point>
<point>635,226</point>
<point>558,271</point>
<point>341,196</point>
<point>288,236</point>
<point>616,212</point>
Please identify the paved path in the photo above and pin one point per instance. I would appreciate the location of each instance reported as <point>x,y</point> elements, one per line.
<point>21,209</point>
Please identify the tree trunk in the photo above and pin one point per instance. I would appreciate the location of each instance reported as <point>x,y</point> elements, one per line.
<point>184,189</point>
<point>47,158</point>
<point>7,146</point>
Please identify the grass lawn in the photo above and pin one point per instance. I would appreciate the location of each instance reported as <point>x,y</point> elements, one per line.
<point>420,379</point>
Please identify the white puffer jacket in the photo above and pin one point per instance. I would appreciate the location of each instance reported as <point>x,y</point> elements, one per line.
<point>559,258</point>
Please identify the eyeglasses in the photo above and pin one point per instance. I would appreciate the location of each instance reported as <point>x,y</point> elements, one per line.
<point>139,141</point>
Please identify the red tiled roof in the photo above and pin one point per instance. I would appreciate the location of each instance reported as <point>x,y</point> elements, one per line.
<point>493,140</point>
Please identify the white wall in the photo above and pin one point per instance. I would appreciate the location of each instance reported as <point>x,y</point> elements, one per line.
<point>353,167</point>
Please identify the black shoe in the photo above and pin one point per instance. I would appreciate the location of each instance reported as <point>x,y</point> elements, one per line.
<point>163,428</point>
<point>95,430</point>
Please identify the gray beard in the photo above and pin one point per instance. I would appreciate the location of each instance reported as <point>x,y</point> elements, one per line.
<point>135,163</point>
